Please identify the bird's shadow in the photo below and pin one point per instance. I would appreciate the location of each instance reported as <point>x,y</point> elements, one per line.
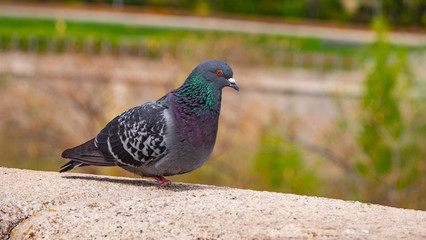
<point>175,187</point>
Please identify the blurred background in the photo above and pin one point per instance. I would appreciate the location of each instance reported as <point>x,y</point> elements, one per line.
<point>331,102</point>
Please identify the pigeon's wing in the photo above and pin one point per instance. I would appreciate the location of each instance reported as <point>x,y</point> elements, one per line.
<point>137,136</point>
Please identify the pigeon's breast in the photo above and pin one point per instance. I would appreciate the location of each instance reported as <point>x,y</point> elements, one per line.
<point>194,130</point>
<point>190,140</point>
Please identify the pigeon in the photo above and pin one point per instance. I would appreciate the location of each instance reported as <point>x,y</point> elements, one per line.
<point>173,135</point>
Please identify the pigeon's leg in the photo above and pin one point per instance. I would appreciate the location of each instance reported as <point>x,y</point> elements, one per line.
<point>162,181</point>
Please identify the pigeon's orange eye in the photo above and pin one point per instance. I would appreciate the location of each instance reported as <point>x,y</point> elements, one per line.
<point>219,73</point>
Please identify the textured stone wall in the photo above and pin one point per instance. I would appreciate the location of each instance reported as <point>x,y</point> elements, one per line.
<point>50,205</point>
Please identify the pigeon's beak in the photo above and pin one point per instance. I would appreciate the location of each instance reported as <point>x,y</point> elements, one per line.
<point>233,84</point>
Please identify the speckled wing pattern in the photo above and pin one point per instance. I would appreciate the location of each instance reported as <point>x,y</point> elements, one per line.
<point>135,137</point>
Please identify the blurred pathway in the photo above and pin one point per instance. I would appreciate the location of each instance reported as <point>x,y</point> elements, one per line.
<point>105,15</point>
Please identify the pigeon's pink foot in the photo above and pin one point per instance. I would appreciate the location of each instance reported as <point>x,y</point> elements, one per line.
<point>162,181</point>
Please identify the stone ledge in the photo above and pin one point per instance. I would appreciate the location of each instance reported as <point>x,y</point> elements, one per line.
<point>50,205</point>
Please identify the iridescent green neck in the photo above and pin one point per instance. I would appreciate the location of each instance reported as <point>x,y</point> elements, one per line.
<point>199,92</point>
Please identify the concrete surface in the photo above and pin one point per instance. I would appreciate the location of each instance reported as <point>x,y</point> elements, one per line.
<point>49,205</point>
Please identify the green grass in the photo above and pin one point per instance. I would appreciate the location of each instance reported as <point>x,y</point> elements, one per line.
<point>49,28</point>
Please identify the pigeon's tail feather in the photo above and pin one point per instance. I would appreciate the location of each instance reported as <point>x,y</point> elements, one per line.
<point>84,155</point>
<point>71,165</point>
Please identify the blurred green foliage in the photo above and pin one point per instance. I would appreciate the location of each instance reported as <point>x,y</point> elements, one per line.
<point>394,160</point>
<point>381,120</point>
<point>387,165</point>
<point>49,35</point>
<point>281,164</point>
<point>116,33</point>
<point>397,12</point>
<point>328,9</point>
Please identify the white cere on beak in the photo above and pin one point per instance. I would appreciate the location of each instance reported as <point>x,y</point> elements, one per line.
<point>231,80</point>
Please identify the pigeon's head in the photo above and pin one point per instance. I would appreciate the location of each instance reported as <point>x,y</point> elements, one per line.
<point>215,73</point>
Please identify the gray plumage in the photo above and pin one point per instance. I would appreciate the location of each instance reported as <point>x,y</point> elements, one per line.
<point>172,135</point>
